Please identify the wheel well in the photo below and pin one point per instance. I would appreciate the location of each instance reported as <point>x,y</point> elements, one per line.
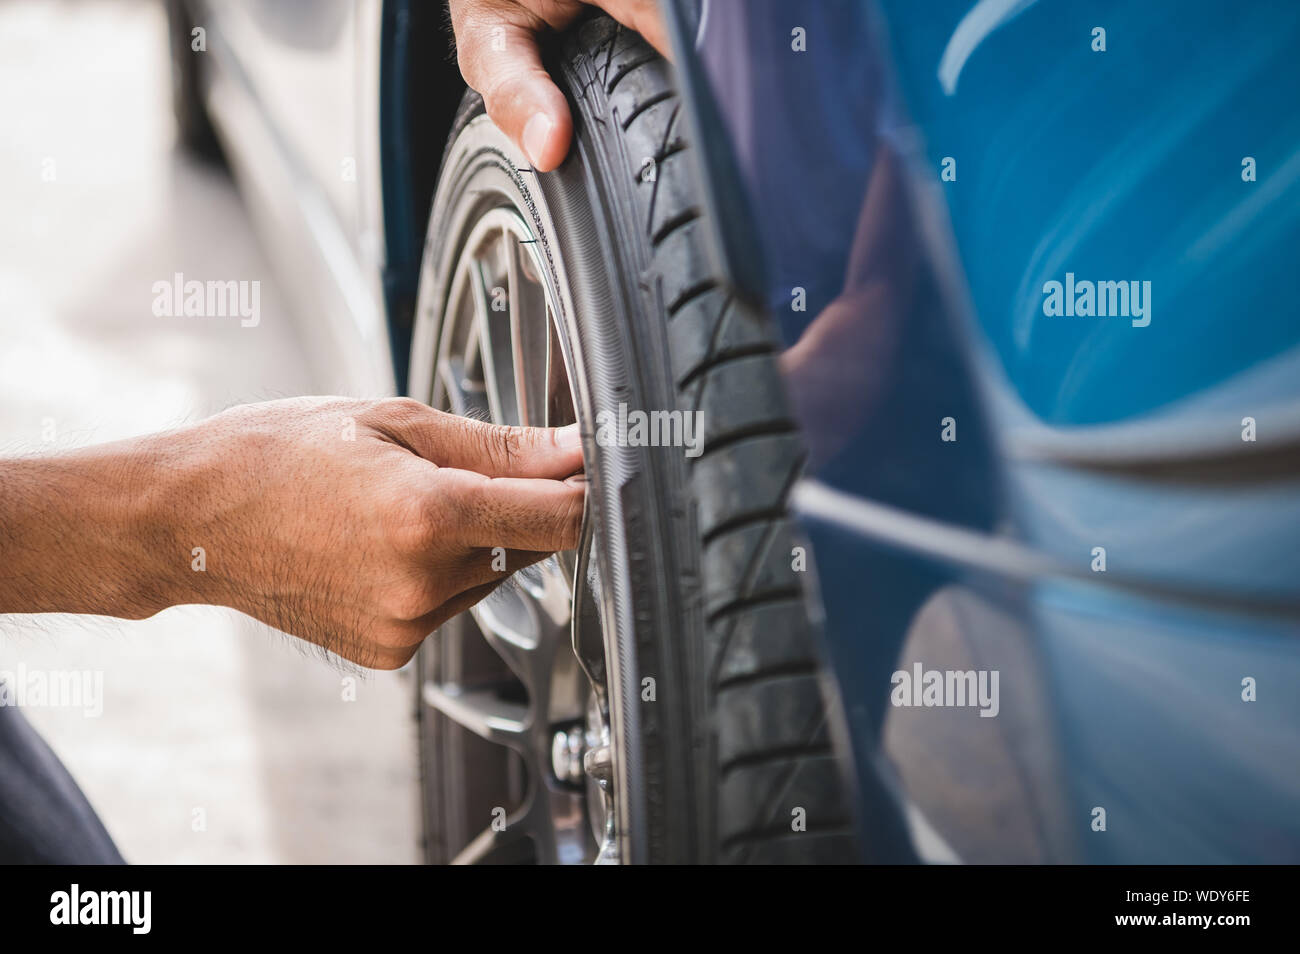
<point>420,90</point>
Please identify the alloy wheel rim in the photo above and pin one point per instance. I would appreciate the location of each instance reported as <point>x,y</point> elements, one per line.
<point>540,696</point>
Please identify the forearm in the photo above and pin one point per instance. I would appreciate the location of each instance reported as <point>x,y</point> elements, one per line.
<point>86,532</point>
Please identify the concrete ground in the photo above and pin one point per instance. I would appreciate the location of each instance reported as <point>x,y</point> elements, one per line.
<point>220,741</point>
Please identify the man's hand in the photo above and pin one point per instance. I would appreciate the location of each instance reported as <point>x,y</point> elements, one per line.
<point>496,48</point>
<point>357,525</point>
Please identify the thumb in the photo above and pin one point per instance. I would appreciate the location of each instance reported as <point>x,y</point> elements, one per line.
<point>502,63</point>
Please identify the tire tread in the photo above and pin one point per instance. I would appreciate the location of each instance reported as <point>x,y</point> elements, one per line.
<point>768,737</point>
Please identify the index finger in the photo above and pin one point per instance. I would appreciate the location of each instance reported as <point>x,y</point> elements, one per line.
<point>497,450</point>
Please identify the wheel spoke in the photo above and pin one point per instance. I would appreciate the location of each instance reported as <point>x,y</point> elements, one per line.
<point>529,333</point>
<point>481,711</point>
<point>507,623</point>
<point>462,396</point>
<point>491,843</point>
<point>526,621</point>
<point>548,585</point>
<point>494,344</point>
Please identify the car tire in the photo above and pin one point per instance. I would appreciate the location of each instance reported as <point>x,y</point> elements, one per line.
<point>721,719</point>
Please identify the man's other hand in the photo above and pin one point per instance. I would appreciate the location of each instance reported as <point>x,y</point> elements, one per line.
<point>497,51</point>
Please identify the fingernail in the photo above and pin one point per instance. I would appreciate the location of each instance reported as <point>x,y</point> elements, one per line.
<point>577,480</point>
<point>536,132</point>
<point>568,438</point>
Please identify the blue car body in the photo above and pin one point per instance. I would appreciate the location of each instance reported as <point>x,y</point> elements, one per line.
<point>1035,263</point>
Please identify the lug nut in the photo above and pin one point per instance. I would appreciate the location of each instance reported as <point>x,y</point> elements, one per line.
<point>567,755</point>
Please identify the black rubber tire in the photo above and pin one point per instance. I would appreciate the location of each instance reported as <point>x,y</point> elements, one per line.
<point>194,131</point>
<point>756,731</point>
<point>736,749</point>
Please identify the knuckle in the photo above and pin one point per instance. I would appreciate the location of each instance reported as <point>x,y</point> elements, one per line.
<point>449,521</point>
<point>502,446</point>
<point>451,509</point>
<point>505,92</point>
<point>412,525</point>
<point>475,28</point>
<point>401,408</point>
<point>511,444</point>
<point>407,600</point>
<point>467,62</point>
<point>388,415</point>
<point>417,536</point>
